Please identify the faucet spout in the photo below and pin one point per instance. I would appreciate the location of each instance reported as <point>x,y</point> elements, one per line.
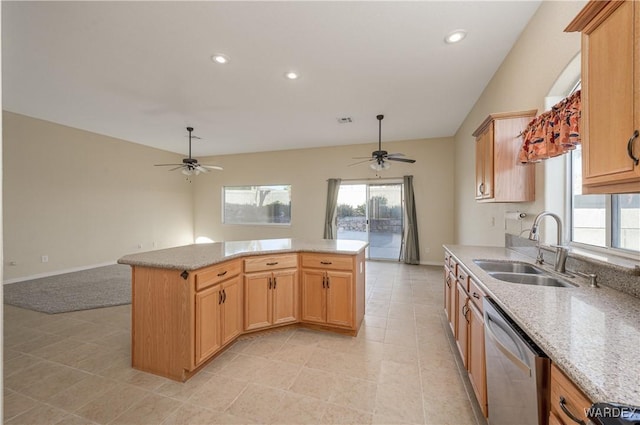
<point>534,235</point>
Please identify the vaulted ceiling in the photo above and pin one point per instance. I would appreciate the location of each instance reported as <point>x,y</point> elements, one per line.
<point>142,71</point>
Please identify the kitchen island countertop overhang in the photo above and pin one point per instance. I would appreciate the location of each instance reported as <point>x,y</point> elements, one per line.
<point>197,256</point>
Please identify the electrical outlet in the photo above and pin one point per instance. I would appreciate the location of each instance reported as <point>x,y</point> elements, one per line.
<point>13,263</point>
<point>139,246</point>
<point>44,259</point>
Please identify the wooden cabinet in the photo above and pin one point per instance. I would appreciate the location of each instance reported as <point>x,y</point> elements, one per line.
<point>271,291</point>
<point>218,311</point>
<point>566,400</point>
<point>467,324</point>
<point>181,319</point>
<point>329,290</point>
<point>476,364</point>
<point>499,175</point>
<point>610,95</point>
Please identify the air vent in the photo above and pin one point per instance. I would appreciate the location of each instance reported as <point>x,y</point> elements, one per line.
<point>345,120</point>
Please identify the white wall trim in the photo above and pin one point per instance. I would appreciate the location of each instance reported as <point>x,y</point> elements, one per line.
<point>57,272</point>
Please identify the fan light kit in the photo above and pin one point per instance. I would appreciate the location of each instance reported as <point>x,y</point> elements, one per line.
<point>291,75</point>
<point>190,165</point>
<point>379,159</point>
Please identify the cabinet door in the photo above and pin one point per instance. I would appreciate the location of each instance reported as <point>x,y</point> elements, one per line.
<point>340,298</point>
<point>207,323</point>
<point>484,164</point>
<point>231,309</point>
<point>610,100</point>
<point>462,315</point>
<point>476,363</point>
<point>314,296</point>
<point>257,303</point>
<point>284,295</point>
<point>447,294</point>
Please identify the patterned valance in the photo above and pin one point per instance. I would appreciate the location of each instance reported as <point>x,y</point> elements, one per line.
<point>554,132</point>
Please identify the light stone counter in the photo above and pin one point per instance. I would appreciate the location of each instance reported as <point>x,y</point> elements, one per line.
<point>197,256</point>
<point>592,334</point>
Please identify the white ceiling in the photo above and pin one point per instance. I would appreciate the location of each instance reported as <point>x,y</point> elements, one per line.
<point>141,71</point>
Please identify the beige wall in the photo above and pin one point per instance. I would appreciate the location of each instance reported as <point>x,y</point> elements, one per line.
<point>521,83</point>
<point>85,199</point>
<point>307,170</point>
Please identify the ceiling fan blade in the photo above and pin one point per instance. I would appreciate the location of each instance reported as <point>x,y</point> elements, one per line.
<point>212,167</point>
<point>177,168</point>
<point>361,162</point>
<point>166,165</point>
<point>395,154</point>
<point>361,157</point>
<point>200,169</point>
<point>411,161</point>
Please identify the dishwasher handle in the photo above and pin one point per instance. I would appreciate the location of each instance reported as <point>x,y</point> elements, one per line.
<point>504,350</point>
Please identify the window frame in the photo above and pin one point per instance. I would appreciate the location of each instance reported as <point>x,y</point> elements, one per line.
<point>223,206</point>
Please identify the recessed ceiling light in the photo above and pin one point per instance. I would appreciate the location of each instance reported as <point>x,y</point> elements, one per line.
<point>291,75</point>
<point>455,36</point>
<point>220,58</point>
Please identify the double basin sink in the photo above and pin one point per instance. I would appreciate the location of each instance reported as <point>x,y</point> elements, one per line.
<point>519,272</point>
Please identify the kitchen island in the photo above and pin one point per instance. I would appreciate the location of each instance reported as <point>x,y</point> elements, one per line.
<point>189,303</point>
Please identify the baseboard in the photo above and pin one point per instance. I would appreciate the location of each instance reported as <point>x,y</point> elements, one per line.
<point>55,273</point>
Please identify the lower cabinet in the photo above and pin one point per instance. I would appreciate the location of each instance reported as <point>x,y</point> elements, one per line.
<point>218,311</point>
<point>568,404</point>
<point>271,298</point>
<point>327,297</point>
<point>465,314</point>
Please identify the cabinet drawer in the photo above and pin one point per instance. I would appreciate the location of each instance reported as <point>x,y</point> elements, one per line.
<point>271,262</point>
<point>463,278</point>
<point>215,274</point>
<point>562,388</point>
<point>476,294</point>
<point>327,261</point>
<point>452,264</point>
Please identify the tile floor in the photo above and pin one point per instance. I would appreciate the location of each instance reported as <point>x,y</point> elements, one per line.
<point>74,368</point>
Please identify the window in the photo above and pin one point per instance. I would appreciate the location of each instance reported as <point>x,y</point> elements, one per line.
<point>269,205</point>
<point>608,221</point>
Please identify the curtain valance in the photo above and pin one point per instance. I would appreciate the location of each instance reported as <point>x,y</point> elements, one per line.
<point>554,132</point>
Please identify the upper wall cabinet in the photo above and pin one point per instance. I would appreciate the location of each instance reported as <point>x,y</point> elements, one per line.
<point>610,95</point>
<point>499,175</point>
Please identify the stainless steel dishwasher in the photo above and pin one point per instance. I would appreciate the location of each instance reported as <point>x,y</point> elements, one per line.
<point>517,372</point>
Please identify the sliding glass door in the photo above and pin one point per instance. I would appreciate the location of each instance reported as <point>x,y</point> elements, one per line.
<point>372,213</point>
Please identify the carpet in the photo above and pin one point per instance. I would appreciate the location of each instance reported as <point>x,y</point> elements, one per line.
<point>93,288</point>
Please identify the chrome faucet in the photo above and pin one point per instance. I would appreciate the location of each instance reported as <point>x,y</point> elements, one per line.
<point>561,252</point>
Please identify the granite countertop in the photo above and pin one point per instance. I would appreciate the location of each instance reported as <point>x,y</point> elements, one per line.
<point>197,256</point>
<point>592,334</point>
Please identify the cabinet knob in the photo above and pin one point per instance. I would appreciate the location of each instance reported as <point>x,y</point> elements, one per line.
<point>326,262</point>
<point>272,264</point>
<point>634,136</point>
<point>222,274</point>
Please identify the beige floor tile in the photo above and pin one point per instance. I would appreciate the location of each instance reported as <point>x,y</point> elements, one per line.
<point>450,412</point>
<point>400,354</point>
<point>220,362</point>
<point>145,381</point>
<point>111,404</point>
<point>41,415</point>
<point>36,343</point>
<point>189,414</point>
<point>277,374</point>
<point>48,387</point>
<point>152,409</point>
<point>374,321</point>
<point>19,362</point>
<point>32,375</point>
<point>244,367</point>
<point>298,409</point>
<point>355,393</point>
<point>396,401</point>
<point>401,375</point>
<point>71,419</point>
<point>327,360</point>
<point>257,403</point>
<point>183,390</point>
<point>400,337</point>
<point>16,404</point>
<point>314,383</point>
<point>344,415</point>
<point>293,353</point>
<point>217,393</point>
<point>81,393</point>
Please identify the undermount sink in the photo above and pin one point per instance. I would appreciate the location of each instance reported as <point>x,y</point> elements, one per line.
<point>520,272</point>
<point>508,266</point>
<point>531,279</point>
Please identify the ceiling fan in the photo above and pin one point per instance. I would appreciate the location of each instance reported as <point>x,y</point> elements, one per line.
<point>190,165</point>
<point>379,159</point>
